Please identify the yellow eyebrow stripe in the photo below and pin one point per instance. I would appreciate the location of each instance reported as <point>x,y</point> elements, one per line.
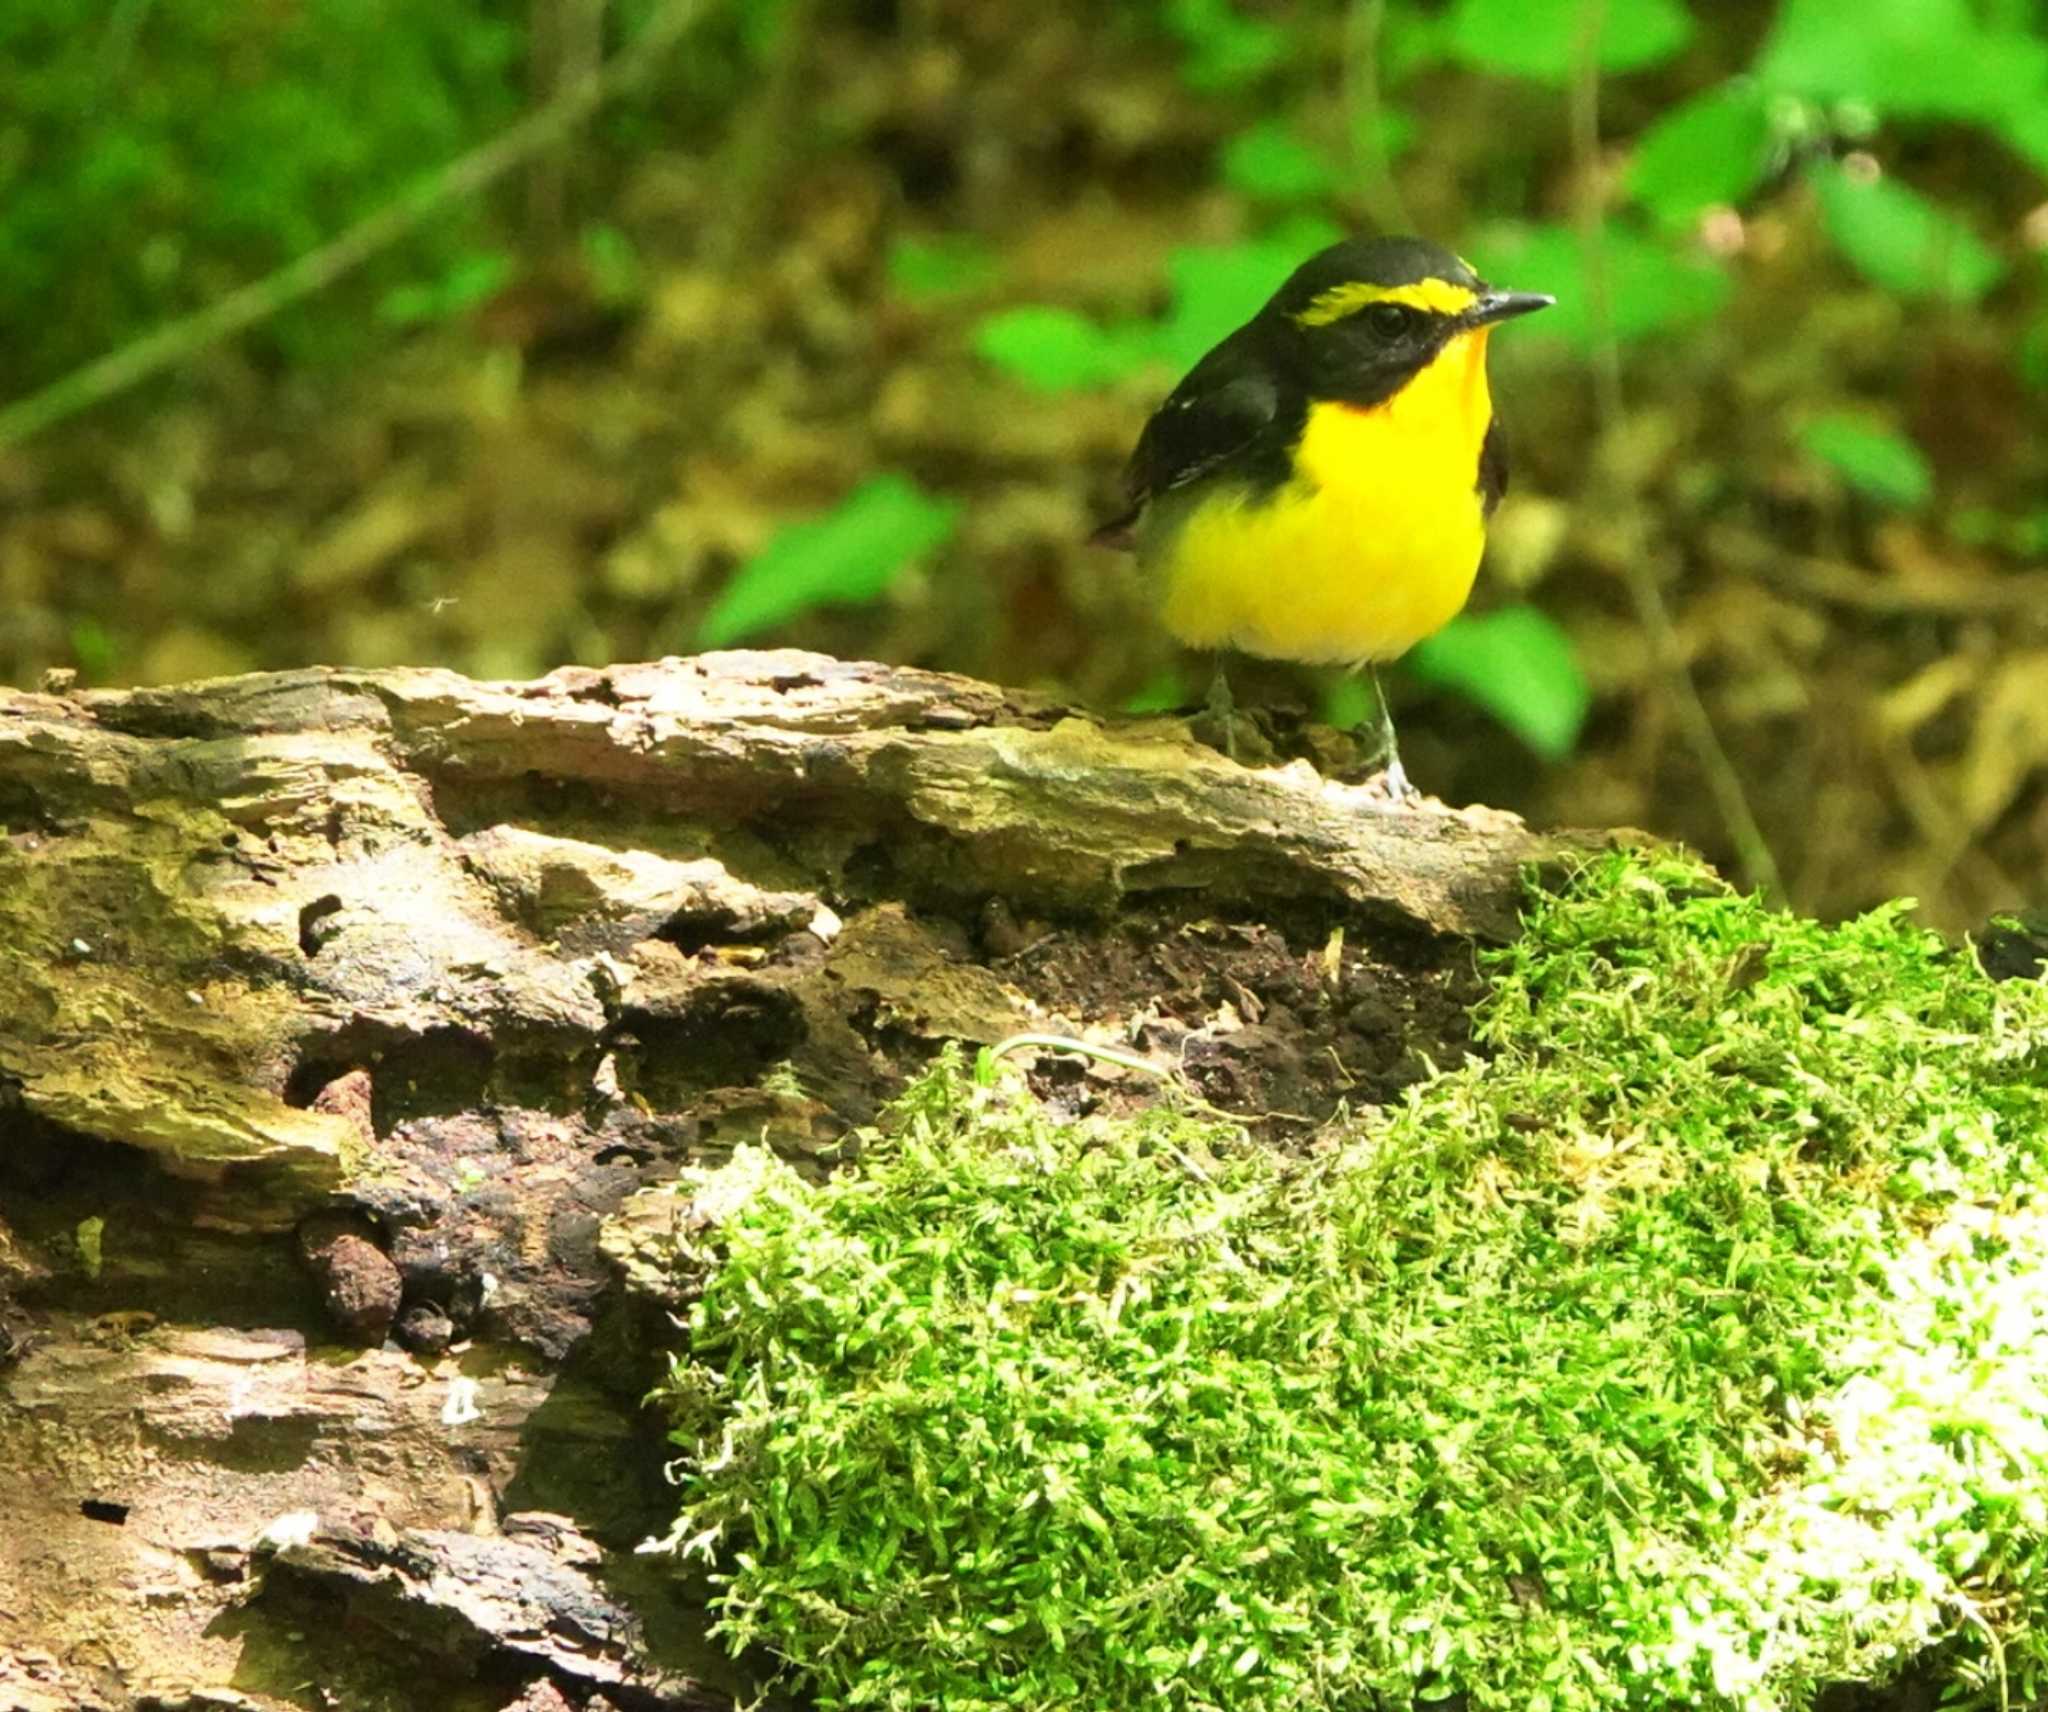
<point>1433,296</point>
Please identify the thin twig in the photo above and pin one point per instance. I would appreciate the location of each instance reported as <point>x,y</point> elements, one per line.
<point>1084,1048</point>
<point>1759,867</point>
<point>1968,1609</point>
<point>1174,1079</point>
<point>1944,828</point>
<point>763,141</point>
<point>2018,594</point>
<point>315,271</point>
<point>565,45</point>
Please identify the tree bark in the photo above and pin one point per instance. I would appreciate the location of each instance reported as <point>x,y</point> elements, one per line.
<point>339,1011</point>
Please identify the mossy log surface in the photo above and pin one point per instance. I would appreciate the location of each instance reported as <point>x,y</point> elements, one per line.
<point>339,1010</point>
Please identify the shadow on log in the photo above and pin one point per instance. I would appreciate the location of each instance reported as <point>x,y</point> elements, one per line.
<point>338,1010</point>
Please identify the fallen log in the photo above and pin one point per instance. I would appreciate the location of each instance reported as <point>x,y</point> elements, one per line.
<point>340,1009</point>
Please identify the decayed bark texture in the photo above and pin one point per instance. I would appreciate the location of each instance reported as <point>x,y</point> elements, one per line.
<point>338,1010</point>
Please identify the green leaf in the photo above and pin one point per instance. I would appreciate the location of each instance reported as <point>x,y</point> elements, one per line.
<point>1873,460</point>
<point>850,555</point>
<point>1270,163</point>
<point>1711,149</point>
<point>1058,350</point>
<point>1540,38</point>
<point>616,275</point>
<point>1900,240</point>
<point>2024,126</point>
<point>1517,665</point>
<point>467,283</point>
<point>941,267</point>
<point>1823,50</point>
<point>1651,288</point>
<point>1904,58</point>
<point>1223,49</point>
<point>1163,692</point>
<point>759,25</point>
<point>94,648</point>
<point>1347,702</point>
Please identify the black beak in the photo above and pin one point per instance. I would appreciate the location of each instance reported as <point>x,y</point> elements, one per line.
<point>1505,306</point>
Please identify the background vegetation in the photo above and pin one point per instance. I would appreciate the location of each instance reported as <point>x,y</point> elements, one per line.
<point>836,330</point>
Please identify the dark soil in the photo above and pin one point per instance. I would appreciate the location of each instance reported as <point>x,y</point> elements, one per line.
<point>1277,1022</point>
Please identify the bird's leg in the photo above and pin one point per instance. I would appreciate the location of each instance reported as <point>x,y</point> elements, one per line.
<point>1221,709</point>
<point>1391,780</point>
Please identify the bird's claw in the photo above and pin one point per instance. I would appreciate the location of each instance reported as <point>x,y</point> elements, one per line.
<point>1390,785</point>
<point>1219,714</point>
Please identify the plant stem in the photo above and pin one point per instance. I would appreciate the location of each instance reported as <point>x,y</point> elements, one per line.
<point>1087,1049</point>
<point>464,176</point>
<point>1364,113</point>
<point>765,138</point>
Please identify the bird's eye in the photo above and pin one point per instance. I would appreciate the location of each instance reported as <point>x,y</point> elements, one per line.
<point>1389,320</point>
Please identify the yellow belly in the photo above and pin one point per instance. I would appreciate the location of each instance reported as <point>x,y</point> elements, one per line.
<point>1371,547</point>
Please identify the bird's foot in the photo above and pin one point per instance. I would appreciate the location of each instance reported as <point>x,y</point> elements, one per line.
<point>1217,723</point>
<point>1390,785</point>
<point>1218,729</point>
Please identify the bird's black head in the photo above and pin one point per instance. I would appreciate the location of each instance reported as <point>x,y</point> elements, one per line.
<point>1362,318</point>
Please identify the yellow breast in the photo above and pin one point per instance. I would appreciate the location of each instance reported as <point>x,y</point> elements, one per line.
<point>1371,547</point>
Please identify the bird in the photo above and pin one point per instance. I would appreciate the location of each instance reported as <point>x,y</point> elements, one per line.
<point>1317,488</point>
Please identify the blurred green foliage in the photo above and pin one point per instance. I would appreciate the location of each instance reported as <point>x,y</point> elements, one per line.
<point>1714,148</point>
<point>1919,60</point>
<point>1545,39</point>
<point>1652,286</point>
<point>468,280</point>
<point>1516,664</point>
<point>1900,240</point>
<point>1223,48</point>
<point>616,273</point>
<point>1873,460</point>
<point>1054,349</point>
<point>1271,163</point>
<point>154,155</point>
<point>853,553</point>
<point>941,266</point>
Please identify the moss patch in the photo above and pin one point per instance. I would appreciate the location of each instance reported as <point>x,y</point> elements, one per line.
<point>1690,1348</point>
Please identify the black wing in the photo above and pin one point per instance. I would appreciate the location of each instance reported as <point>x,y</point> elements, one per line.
<point>1229,410</point>
<point>1493,467</point>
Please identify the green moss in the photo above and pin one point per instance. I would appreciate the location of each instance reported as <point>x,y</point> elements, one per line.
<point>1690,1349</point>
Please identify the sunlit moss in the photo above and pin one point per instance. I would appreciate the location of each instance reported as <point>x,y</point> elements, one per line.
<point>1690,1349</point>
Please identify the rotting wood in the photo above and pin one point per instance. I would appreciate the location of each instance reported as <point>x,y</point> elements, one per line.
<point>452,969</point>
<point>524,1597</point>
